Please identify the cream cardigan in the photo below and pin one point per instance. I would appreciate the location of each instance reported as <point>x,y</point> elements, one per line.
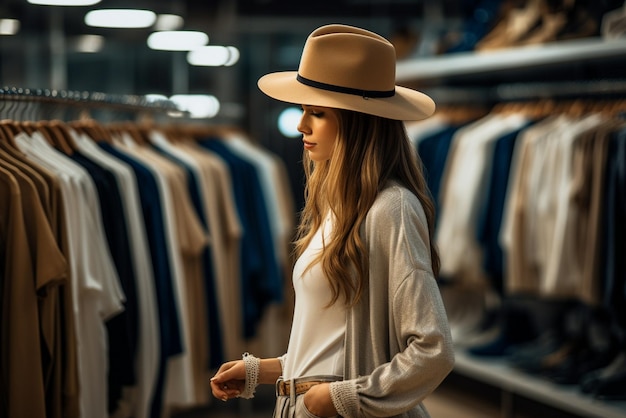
<point>398,347</point>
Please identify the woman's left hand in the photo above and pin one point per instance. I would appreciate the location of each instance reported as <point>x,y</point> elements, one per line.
<point>317,400</point>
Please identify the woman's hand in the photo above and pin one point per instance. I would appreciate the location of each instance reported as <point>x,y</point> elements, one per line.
<point>317,400</point>
<point>229,381</point>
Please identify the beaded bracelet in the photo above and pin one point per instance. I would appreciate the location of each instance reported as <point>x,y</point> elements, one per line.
<point>252,375</point>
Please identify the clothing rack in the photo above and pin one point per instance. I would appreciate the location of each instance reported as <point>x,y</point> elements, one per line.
<point>566,89</point>
<point>601,101</point>
<point>524,91</point>
<point>127,208</point>
<point>71,104</point>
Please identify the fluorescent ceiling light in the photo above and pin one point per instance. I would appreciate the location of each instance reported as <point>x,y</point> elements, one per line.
<point>198,105</point>
<point>212,56</point>
<point>120,18</point>
<point>177,40</point>
<point>64,2</point>
<point>233,56</point>
<point>169,22</point>
<point>9,26</point>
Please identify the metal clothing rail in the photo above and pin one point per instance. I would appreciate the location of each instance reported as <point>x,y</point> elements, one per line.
<point>70,97</point>
<point>566,89</point>
<point>601,89</point>
<point>39,103</point>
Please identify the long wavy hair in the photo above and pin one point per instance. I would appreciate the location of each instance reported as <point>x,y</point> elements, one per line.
<point>368,152</point>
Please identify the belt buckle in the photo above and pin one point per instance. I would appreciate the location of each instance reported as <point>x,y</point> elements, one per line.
<point>280,382</point>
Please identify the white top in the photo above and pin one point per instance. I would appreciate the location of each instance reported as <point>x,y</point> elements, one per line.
<point>317,332</point>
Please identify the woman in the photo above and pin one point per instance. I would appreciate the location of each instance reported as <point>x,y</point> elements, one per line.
<point>370,335</point>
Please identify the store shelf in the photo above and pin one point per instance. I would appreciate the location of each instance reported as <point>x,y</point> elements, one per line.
<point>497,373</point>
<point>464,63</point>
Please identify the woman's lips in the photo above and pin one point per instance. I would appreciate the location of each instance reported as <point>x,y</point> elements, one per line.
<point>308,145</point>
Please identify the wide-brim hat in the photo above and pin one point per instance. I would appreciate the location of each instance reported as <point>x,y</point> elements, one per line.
<point>348,68</point>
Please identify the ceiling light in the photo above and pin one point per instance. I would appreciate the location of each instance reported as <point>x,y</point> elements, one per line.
<point>9,26</point>
<point>169,22</point>
<point>64,2</point>
<point>212,56</point>
<point>198,105</point>
<point>233,56</point>
<point>120,18</point>
<point>177,40</point>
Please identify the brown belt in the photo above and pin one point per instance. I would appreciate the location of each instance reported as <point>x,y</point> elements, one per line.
<point>283,387</point>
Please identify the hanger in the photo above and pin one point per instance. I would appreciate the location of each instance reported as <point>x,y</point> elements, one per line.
<point>460,114</point>
<point>61,129</point>
<point>7,138</point>
<point>537,109</point>
<point>507,108</point>
<point>610,108</point>
<point>574,108</point>
<point>137,133</point>
<point>4,136</point>
<point>41,127</point>
<point>92,128</point>
<point>27,126</point>
<point>619,107</point>
<point>54,137</point>
<point>6,129</point>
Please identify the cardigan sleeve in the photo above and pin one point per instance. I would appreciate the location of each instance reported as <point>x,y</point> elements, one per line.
<point>398,345</point>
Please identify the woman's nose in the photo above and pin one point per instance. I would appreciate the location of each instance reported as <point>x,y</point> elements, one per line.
<point>302,127</point>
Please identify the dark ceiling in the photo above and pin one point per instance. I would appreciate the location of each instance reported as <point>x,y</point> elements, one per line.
<point>278,27</point>
<point>268,33</point>
<point>199,14</point>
